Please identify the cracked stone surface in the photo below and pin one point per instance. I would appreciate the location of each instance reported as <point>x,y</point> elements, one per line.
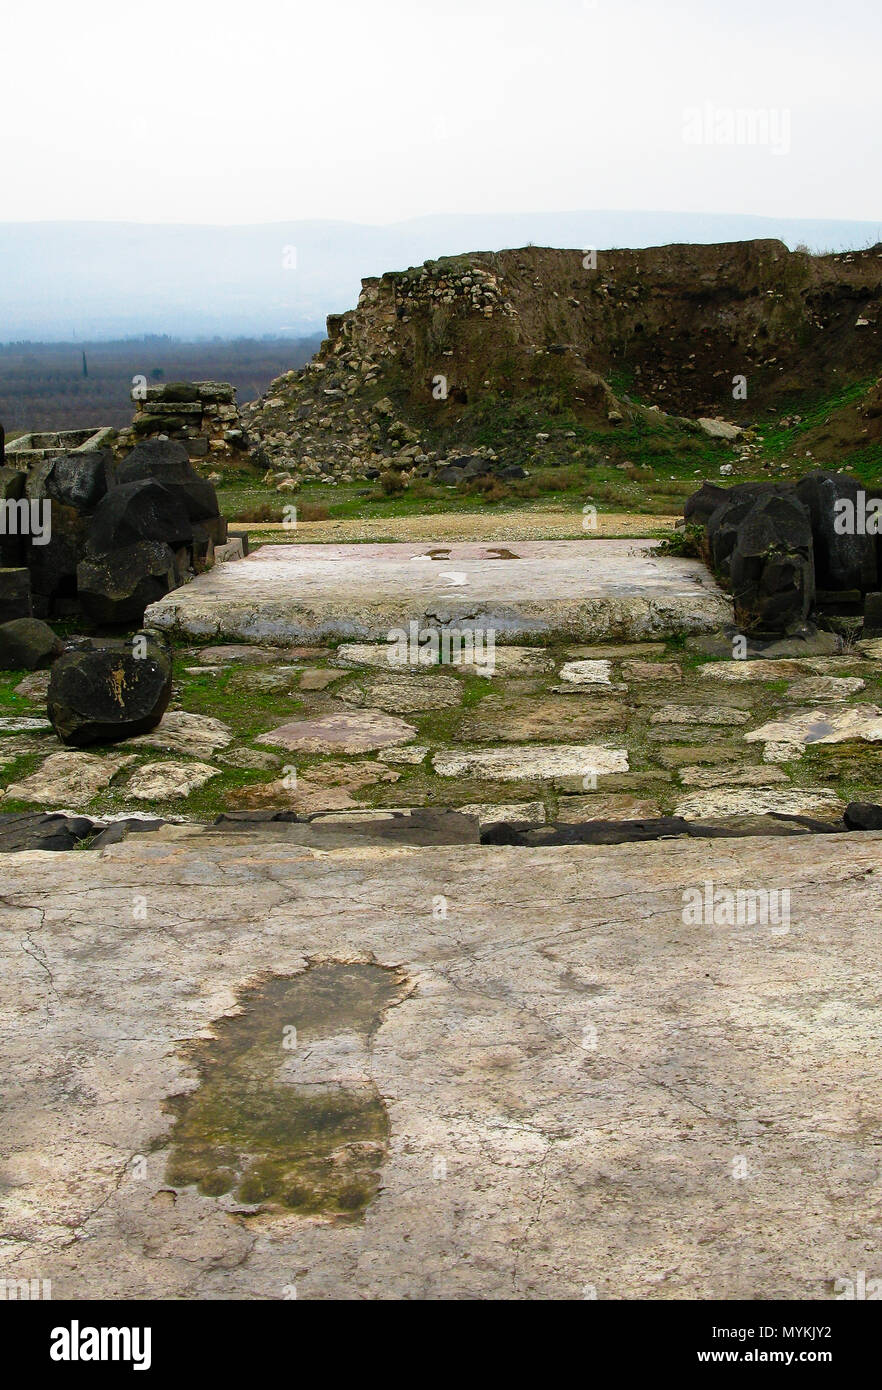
<point>161,781</point>
<point>570,1075</point>
<point>821,725</point>
<point>506,661</point>
<point>199,735</point>
<point>698,714</point>
<point>587,672</point>
<point>403,693</point>
<point>581,590</point>
<point>531,760</point>
<point>573,810</point>
<point>737,801</point>
<point>734,776</point>
<point>360,732</point>
<point>68,776</point>
<point>824,688</point>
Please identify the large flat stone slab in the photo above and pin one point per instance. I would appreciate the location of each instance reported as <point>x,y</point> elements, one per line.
<point>584,1094</point>
<point>822,725</point>
<point>525,761</point>
<point>361,732</point>
<point>584,590</point>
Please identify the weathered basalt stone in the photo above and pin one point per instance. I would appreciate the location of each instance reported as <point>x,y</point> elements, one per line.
<point>34,830</point>
<point>771,573</point>
<point>843,558</point>
<point>112,691</point>
<point>15,594</point>
<point>27,644</point>
<point>142,510</point>
<point>116,587</point>
<point>166,461</point>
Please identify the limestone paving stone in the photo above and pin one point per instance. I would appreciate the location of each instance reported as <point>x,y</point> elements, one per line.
<point>360,732</point>
<point>503,717</point>
<point>573,810</point>
<point>411,755</point>
<point>249,654</point>
<point>652,671</point>
<point>254,759</point>
<point>404,693</point>
<point>577,590</point>
<point>675,755</point>
<point>68,776</point>
<point>198,735</point>
<point>749,672</point>
<point>491,812</point>
<point>824,688</point>
<point>733,776</point>
<point>531,761</point>
<point>736,801</point>
<point>34,687</point>
<point>169,780</point>
<point>587,672</point>
<point>317,678</point>
<point>689,715</point>
<point>823,724</point>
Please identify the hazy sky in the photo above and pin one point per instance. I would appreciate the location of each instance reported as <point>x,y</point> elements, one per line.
<point>178,111</point>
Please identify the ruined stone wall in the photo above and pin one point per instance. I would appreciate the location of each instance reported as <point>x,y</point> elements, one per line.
<point>203,415</point>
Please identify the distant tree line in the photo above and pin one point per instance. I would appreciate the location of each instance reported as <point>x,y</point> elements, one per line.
<point>43,386</point>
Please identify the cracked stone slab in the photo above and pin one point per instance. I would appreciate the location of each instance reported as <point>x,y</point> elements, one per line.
<point>737,801</point>
<point>824,688</point>
<point>587,672</point>
<point>579,590</point>
<point>34,686</point>
<point>490,812</point>
<point>401,694</point>
<point>413,754</point>
<point>361,732</point>
<point>198,735</point>
<point>21,724</point>
<point>502,661</point>
<point>732,776</point>
<point>689,715</point>
<point>652,671</point>
<point>68,776</point>
<point>531,760</point>
<point>574,810</point>
<point>250,655</point>
<point>821,725</point>
<point>750,671</point>
<point>568,1081</point>
<point>169,780</point>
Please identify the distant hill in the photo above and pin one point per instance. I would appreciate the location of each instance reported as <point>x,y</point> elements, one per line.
<point>93,280</point>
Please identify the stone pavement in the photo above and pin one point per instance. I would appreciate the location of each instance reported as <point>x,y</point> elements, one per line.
<point>580,590</point>
<point>537,1080</point>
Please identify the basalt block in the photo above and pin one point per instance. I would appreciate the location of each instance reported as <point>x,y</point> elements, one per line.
<point>167,462</point>
<point>117,586</point>
<point>15,594</point>
<point>112,691</point>
<point>27,644</point>
<point>844,558</point>
<point>140,510</point>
